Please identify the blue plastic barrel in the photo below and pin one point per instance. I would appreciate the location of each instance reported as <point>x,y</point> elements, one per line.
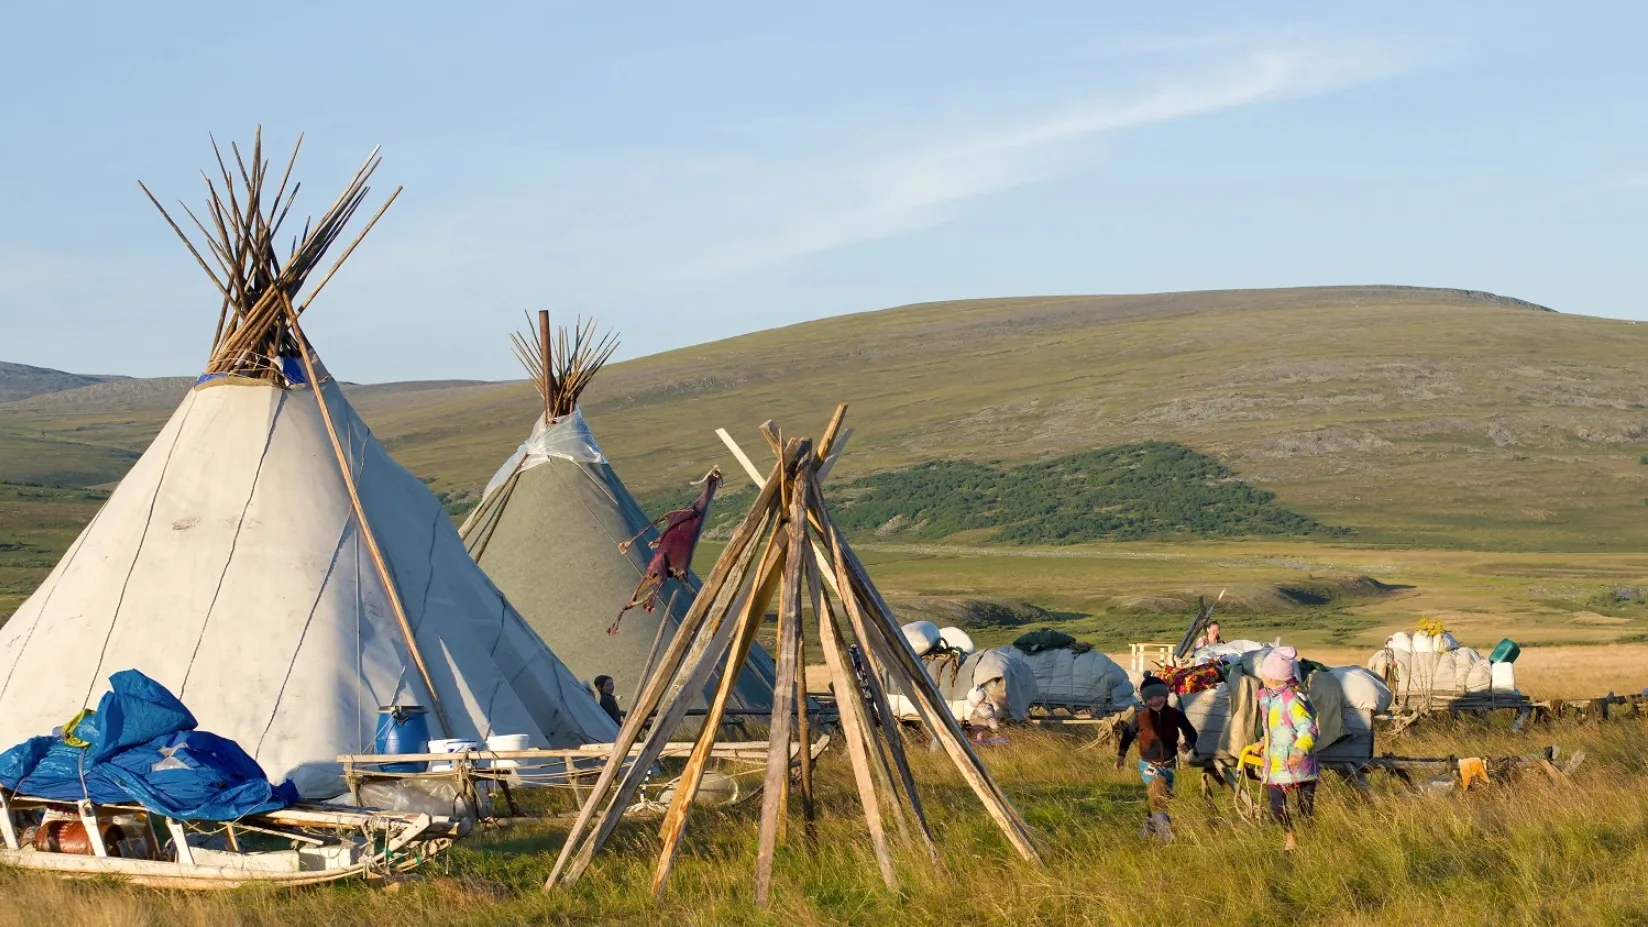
<point>403,729</point>
<point>1506,652</point>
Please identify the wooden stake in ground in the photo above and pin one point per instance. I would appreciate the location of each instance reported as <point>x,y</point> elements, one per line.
<point>804,552</point>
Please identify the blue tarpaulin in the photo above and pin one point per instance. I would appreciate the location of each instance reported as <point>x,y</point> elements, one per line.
<point>142,748</point>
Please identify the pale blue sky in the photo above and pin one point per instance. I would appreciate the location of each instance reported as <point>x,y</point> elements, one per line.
<point>693,171</point>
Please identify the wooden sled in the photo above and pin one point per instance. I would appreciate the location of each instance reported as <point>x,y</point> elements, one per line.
<point>306,844</point>
<point>1525,709</point>
<point>476,771</point>
<point>1418,773</point>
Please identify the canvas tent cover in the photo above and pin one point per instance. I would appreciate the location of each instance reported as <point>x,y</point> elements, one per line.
<point>552,546</point>
<point>229,567</point>
<point>1089,680</point>
<point>1004,675</point>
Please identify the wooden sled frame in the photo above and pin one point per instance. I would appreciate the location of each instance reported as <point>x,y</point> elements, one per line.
<point>1600,708</point>
<point>565,768</point>
<point>1466,772</point>
<point>385,842</point>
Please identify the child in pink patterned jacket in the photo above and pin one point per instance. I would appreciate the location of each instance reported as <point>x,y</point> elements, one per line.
<point>1290,739</point>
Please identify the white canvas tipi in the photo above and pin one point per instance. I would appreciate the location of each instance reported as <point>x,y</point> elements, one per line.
<point>268,562</point>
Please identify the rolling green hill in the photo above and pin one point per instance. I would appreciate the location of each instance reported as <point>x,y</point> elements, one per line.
<point>1418,417</point>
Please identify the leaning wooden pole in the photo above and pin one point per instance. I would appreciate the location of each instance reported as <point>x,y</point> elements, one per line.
<point>773,797</point>
<point>716,591</point>
<point>934,710</point>
<point>804,553</point>
<point>544,353</point>
<point>856,729</point>
<point>370,536</point>
<point>767,579</point>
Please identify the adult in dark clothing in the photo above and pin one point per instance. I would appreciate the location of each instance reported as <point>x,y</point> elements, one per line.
<point>1158,728</point>
<point>609,702</point>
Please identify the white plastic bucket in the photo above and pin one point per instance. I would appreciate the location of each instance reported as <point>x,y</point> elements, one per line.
<point>504,742</point>
<point>448,745</point>
<point>1504,678</point>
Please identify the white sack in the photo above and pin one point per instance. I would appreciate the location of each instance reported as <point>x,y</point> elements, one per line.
<point>1364,691</point>
<point>1225,651</point>
<point>922,635</point>
<point>1079,680</point>
<point>957,639</point>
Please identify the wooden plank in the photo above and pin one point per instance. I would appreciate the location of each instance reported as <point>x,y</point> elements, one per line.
<point>854,724</point>
<point>893,738</point>
<point>94,833</point>
<point>776,792</point>
<point>722,584</point>
<point>835,455</point>
<point>739,455</point>
<point>697,675</point>
<point>180,842</point>
<point>880,769</point>
<point>696,665</point>
<point>8,828</point>
<point>826,443</point>
<point>935,711</point>
<point>803,723</point>
<point>686,788</point>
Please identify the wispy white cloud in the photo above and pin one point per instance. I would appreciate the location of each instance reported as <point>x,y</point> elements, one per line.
<point>636,235</point>
<point>909,178</point>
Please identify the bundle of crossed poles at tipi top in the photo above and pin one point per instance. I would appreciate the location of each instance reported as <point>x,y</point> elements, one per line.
<point>263,294</point>
<point>787,546</point>
<point>562,363</point>
<point>258,334</point>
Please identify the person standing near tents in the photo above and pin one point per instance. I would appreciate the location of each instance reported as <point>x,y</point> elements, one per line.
<point>1290,728</point>
<point>1157,727</point>
<point>604,691</point>
<point>1209,637</point>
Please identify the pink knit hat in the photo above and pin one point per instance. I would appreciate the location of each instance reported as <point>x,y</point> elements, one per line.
<point>1281,663</point>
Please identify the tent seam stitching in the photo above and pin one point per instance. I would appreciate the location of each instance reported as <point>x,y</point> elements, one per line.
<point>148,522</point>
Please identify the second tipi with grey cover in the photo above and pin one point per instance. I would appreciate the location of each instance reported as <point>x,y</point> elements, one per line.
<point>551,531</point>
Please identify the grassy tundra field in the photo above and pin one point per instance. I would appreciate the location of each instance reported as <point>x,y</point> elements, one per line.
<point>1375,453</point>
<point>1532,853</point>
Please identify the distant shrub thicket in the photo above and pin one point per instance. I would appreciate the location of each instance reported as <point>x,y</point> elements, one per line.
<point>1126,492</point>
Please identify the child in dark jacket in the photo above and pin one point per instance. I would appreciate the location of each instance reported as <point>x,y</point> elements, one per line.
<point>1157,727</point>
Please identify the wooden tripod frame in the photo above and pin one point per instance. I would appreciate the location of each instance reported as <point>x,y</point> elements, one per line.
<point>786,546</point>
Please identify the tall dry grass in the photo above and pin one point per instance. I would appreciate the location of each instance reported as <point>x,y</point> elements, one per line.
<point>1532,852</point>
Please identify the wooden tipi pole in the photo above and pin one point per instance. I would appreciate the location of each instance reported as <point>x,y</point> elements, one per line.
<point>545,354</point>
<point>370,536</point>
<point>791,504</point>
